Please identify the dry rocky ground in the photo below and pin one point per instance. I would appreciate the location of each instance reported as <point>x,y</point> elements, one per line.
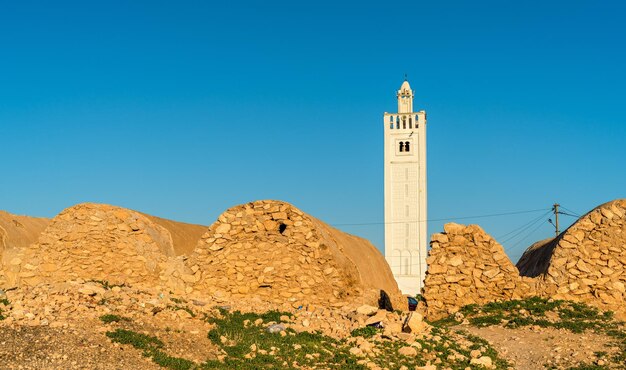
<point>267,286</point>
<point>93,325</point>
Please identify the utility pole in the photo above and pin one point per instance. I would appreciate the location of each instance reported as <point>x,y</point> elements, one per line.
<point>555,209</point>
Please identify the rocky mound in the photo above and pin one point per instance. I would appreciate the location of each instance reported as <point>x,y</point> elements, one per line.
<point>97,242</point>
<point>272,250</point>
<point>587,262</point>
<point>20,231</point>
<point>467,266</point>
<point>17,232</point>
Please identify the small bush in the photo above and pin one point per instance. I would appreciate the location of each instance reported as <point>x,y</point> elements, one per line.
<point>365,332</point>
<point>109,318</point>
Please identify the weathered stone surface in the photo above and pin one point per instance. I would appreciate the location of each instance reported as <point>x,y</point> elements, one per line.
<point>408,351</point>
<point>272,250</point>
<point>16,233</point>
<point>468,266</point>
<point>96,242</point>
<point>415,324</point>
<point>483,361</point>
<point>367,310</point>
<point>588,254</point>
<point>586,263</point>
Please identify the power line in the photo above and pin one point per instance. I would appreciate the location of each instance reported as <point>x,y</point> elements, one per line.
<point>521,227</point>
<point>528,226</point>
<point>526,237</point>
<point>442,219</point>
<point>574,213</point>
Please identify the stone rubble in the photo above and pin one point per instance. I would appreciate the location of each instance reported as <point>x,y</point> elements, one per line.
<point>467,266</point>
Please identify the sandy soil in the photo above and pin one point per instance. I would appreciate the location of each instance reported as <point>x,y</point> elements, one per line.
<point>531,348</point>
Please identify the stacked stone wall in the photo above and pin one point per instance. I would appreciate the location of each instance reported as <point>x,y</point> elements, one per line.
<point>467,266</point>
<point>95,242</point>
<point>272,250</point>
<point>586,263</point>
<point>16,233</point>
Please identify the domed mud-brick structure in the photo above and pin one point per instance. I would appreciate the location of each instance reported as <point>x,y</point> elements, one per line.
<point>98,242</point>
<point>16,232</point>
<point>587,262</point>
<point>272,250</point>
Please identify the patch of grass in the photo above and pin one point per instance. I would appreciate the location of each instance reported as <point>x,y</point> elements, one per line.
<point>448,350</point>
<point>573,316</point>
<point>576,317</point>
<point>486,320</point>
<point>236,334</point>
<point>365,332</point>
<point>177,300</point>
<point>109,318</point>
<point>183,308</point>
<point>5,302</point>
<point>151,347</point>
<point>106,285</point>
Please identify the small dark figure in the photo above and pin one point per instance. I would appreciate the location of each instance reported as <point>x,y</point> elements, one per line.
<point>384,302</point>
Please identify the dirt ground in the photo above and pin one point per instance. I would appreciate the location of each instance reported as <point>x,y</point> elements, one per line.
<point>531,348</point>
<point>49,348</point>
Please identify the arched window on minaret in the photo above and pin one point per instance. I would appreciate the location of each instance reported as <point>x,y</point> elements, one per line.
<point>397,122</point>
<point>401,146</point>
<point>407,263</point>
<point>410,122</point>
<point>407,146</point>
<point>403,122</point>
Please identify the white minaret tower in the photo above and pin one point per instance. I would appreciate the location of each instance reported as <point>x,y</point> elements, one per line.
<point>405,192</point>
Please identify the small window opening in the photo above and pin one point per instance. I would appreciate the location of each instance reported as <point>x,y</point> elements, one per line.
<point>410,122</point>
<point>407,146</point>
<point>401,146</point>
<point>282,228</point>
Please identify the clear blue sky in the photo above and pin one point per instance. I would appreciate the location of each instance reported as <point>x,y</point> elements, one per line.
<point>183,109</point>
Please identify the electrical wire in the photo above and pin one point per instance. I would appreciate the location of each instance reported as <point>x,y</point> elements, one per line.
<point>534,222</point>
<point>525,237</point>
<point>521,227</point>
<point>442,219</point>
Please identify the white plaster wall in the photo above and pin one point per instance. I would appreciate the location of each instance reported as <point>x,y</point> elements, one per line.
<point>405,196</point>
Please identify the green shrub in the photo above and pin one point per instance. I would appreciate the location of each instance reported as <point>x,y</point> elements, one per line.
<point>151,347</point>
<point>109,318</point>
<point>365,332</point>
